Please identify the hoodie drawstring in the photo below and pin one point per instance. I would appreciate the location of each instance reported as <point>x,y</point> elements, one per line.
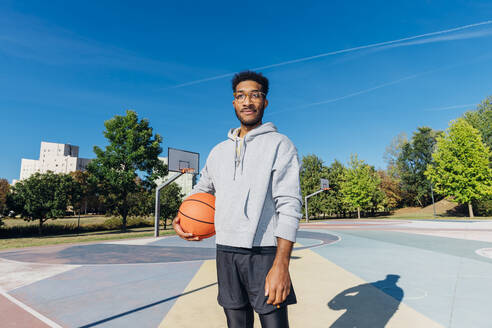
<point>241,154</point>
<point>235,158</point>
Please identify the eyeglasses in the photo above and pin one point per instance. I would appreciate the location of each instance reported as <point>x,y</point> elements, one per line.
<point>253,96</point>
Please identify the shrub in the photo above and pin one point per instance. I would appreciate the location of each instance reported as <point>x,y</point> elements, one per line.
<point>483,207</point>
<point>115,223</point>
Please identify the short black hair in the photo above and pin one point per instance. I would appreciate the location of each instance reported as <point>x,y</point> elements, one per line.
<point>250,76</point>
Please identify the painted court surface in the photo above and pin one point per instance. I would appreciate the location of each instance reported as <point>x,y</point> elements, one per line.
<point>346,273</point>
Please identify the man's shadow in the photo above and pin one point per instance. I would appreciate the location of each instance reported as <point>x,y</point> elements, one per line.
<point>368,305</point>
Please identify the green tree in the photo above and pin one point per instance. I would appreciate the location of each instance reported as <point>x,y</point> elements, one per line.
<point>87,191</point>
<point>335,202</point>
<point>143,201</point>
<point>4,193</point>
<point>481,119</point>
<point>171,199</point>
<point>132,152</point>
<point>461,165</point>
<point>310,174</point>
<point>391,188</point>
<point>379,200</point>
<point>412,163</point>
<point>43,196</point>
<point>360,185</point>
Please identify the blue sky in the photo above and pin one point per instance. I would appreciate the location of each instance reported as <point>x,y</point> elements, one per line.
<point>66,67</point>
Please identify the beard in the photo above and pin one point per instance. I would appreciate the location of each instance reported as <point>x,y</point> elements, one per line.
<point>253,121</point>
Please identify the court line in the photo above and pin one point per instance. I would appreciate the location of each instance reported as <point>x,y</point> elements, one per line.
<point>30,310</point>
<point>88,264</point>
<point>485,252</point>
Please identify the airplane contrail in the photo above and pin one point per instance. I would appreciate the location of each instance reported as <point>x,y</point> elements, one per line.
<point>449,107</point>
<point>379,86</point>
<point>303,59</point>
<point>350,95</point>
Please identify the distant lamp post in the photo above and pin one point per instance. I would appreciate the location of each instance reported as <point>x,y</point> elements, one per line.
<point>433,203</point>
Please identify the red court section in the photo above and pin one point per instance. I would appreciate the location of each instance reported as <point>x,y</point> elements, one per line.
<point>13,316</point>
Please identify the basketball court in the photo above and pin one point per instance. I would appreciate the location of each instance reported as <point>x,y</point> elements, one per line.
<point>363,273</point>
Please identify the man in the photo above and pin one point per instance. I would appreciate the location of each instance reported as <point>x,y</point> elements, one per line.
<point>254,176</point>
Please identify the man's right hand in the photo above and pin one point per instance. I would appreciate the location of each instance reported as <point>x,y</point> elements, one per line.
<point>179,231</point>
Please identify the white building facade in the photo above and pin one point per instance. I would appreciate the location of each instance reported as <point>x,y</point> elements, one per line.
<point>186,181</point>
<point>55,157</point>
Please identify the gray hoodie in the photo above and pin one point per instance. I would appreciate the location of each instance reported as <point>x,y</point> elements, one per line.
<point>256,186</point>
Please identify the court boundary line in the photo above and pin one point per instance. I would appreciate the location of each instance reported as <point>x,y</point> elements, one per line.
<point>30,310</point>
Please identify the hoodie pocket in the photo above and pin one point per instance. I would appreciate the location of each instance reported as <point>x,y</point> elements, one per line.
<point>231,211</point>
<point>246,203</point>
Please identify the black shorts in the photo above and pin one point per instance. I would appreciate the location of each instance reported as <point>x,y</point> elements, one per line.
<point>241,274</point>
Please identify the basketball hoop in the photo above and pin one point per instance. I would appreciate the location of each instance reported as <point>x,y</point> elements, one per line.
<point>187,170</point>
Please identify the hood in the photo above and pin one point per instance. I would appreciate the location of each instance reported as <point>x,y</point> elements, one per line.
<point>241,150</point>
<point>262,129</point>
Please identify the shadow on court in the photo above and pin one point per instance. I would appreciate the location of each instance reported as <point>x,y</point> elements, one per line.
<point>368,305</point>
<point>100,322</point>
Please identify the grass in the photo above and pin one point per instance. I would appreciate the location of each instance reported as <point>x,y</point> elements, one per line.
<point>17,228</point>
<point>17,233</point>
<point>408,217</point>
<point>81,238</point>
<point>437,218</point>
<point>84,221</point>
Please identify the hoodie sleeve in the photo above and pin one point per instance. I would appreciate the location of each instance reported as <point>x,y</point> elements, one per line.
<point>286,191</point>
<point>205,184</point>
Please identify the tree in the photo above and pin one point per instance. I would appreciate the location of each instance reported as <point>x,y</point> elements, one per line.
<point>92,196</point>
<point>4,192</point>
<point>391,188</point>
<point>132,153</point>
<point>481,119</point>
<point>461,165</point>
<point>360,184</point>
<point>43,196</point>
<point>393,151</point>
<point>86,190</point>
<point>310,174</point>
<point>171,199</point>
<point>412,163</point>
<point>142,201</point>
<point>379,200</point>
<point>335,202</point>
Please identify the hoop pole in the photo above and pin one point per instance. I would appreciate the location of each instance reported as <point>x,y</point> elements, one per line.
<point>158,202</point>
<point>306,207</point>
<point>306,201</point>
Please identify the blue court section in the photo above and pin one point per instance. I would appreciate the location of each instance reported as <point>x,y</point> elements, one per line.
<point>441,278</point>
<point>110,295</point>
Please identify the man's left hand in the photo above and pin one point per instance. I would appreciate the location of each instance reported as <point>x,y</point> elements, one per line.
<point>277,284</point>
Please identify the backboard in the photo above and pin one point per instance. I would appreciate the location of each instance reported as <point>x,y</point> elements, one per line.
<point>324,184</point>
<point>179,160</point>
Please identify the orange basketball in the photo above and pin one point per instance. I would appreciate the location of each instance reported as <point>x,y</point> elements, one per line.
<point>196,215</point>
